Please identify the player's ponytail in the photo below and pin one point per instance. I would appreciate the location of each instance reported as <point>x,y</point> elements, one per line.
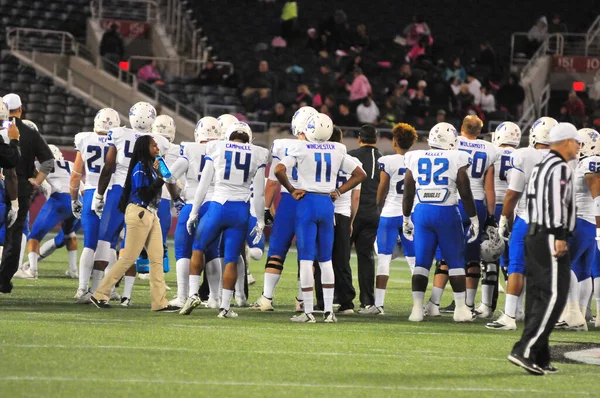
<point>141,154</point>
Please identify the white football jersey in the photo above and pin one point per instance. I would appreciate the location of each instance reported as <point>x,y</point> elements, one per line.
<point>169,152</point>
<point>93,148</point>
<point>394,167</point>
<point>59,177</point>
<point>235,165</point>
<point>195,154</point>
<point>319,164</point>
<point>523,160</point>
<point>483,156</point>
<point>343,204</point>
<point>123,139</point>
<point>583,196</point>
<point>501,168</point>
<point>435,172</point>
<point>279,150</point>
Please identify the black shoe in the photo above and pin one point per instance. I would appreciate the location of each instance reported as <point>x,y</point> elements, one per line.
<point>169,308</point>
<point>526,364</point>
<point>549,369</point>
<point>448,309</point>
<point>100,303</point>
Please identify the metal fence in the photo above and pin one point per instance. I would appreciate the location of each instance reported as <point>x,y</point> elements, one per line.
<point>127,10</point>
<point>41,40</point>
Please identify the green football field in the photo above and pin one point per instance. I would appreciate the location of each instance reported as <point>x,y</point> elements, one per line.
<point>52,347</point>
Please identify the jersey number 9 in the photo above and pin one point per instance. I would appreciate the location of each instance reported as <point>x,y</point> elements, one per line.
<point>426,171</point>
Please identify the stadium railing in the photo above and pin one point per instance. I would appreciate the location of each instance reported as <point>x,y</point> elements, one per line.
<point>130,10</point>
<point>179,66</point>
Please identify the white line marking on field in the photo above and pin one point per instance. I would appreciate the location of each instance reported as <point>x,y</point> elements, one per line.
<point>284,384</point>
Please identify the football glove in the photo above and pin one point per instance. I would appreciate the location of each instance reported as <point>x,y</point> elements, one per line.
<point>11,217</point>
<point>178,205</point>
<point>473,231</point>
<point>191,224</point>
<point>408,228</point>
<point>76,208</point>
<point>268,217</point>
<point>98,203</point>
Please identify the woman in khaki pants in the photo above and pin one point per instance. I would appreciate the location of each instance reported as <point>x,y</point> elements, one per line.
<point>139,202</point>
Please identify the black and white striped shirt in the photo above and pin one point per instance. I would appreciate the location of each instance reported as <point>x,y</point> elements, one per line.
<point>551,196</point>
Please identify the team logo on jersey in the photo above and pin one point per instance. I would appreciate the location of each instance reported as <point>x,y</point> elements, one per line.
<point>593,136</point>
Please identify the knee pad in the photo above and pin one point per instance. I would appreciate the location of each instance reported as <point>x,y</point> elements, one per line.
<point>383,265</point>
<point>473,274</point>
<point>327,275</point>
<point>275,263</point>
<point>438,270</point>
<point>457,272</point>
<point>255,253</point>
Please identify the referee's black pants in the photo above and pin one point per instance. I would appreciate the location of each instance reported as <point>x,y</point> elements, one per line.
<point>12,246</point>
<point>546,295</point>
<point>363,236</point>
<point>344,290</point>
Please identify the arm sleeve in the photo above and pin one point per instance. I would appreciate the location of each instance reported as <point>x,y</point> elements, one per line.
<point>203,185</point>
<point>46,166</point>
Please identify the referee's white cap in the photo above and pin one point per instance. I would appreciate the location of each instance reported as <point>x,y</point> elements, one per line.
<point>563,131</point>
<point>12,101</point>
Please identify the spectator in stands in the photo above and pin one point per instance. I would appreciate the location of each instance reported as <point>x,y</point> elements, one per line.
<point>537,34</point>
<point>575,106</point>
<point>325,80</point>
<point>418,49</point>
<point>325,109</point>
<point>465,99</point>
<point>330,102</point>
<point>344,117</point>
<point>556,25</point>
<point>564,116</point>
<point>474,86</point>
<point>420,101</point>
<point>149,73</point>
<point>262,78</point>
<point>487,58</point>
<point>264,104</point>
<point>486,100</point>
<point>455,85</point>
<point>210,75</point>
<point>359,89</point>
<point>405,73</point>
<point>439,91</point>
<point>402,96</point>
<point>367,112</point>
<point>279,114</point>
<point>417,28</point>
<point>361,39</point>
<point>337,30</point>
<point>455,70</point>
<point>440,117</point>
<point>303,94</point>
<point>511,96</point>
<point>319,43</point>
<point>289,17</point>
<point>111,46</point>
<point>391,114</point>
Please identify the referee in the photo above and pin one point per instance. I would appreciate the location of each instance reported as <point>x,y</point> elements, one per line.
<point>552,216</point>
<point>364,228</point>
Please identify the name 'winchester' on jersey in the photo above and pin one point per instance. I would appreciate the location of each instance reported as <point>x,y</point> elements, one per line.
<point>583,196</point>
<point>395,168</point>
<point>123,139</point>
<point>435,173</point>
<point>483,156</point>
<point>279,150</point>
<point>93,148</point>
<point>235,165</point>
<point>195,154</point>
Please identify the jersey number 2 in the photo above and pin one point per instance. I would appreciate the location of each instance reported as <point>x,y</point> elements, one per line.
<point>96,152</point>
<point>426,171</point>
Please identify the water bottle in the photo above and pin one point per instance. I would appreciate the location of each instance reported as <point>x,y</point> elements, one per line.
<point>162,167</point>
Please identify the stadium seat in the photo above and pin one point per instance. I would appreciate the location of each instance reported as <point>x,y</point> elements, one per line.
<point>56,109</point>
<point>54,118</point>
<point>34,107</point>
<point>57,99</point>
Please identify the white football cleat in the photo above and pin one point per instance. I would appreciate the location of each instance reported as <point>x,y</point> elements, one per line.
<point>303,318</point>
<point>213,304</point>
<point>263,304</point>
<point>251,280</point>
<point>177,302</point>
<point>144,277</point>
<point>329,317</point>
<point>72,274</point>
<point>432,309</point>
<point>417,314</point>
<point>191,303</point>
<point>372,310</point>
<point>114,295</point>
<point>125,302</point>
<point>26,274</point>
<point>505,322</point>
<point>227,314</point>
<point>299,305</point>
<point>83,297</point>
<point>463,314</point>
<point>572,319</point>
<point>484,311</point>
<point>240,301</point>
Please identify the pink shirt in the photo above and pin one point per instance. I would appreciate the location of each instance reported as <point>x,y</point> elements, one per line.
<point>147,72</point>
<point>360,88</point>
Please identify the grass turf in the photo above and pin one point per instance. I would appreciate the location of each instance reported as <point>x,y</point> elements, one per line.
<point>52,347</point>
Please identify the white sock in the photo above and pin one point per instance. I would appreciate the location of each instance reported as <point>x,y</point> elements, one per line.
<point>72,260</point>
<point>33,261</point>
<point>213,277</point>
<point>597,290</point>
<point>86,264</point>
<point>379,297</point>
<point>194,285</point>
<point>520,301</point>
<point>487,292</point>
<point>299,296</point>
<point>48,248</point>
<point>23,245</point>
<point>470,298</point>
<point>182,271</point>
<point>436,295</point>
<point>128,286</point>
<point>2,251</point>
<point>271,281</point>
<point>328,299</point>
<point>510,306</point>
<point>585,291</point>
<point>309,304</point>
<point>241,278</point>
<point>418,298</point>
<point>459,299</point>
<point>411,263</point>
<point>225,302</point>
<point>97,276</point>
<point>574,289</point>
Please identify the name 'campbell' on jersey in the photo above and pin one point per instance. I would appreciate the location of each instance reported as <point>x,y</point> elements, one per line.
<point>435,172</point>
<point>279,150</point>
<point>318,165</point>
<point>195,154</point>
<point>583,196</point>
<point>123,139</point>
<point>394,167</point>
<point>501,168</point>
<point>235,165</point>
<point>483,155</point>
<point>93,148</point>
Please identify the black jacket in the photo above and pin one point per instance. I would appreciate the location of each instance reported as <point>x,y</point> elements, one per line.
<point>369,157</point>
<point>9,153</point>
<point>33,146</point>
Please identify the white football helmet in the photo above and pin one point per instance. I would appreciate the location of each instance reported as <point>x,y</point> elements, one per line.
<point>3,111</point>
<point>319,128</point>
<point>239,127</point>
<point>540,131</point>
<point>30,124</point>
<point>56,152</point>
<point>507,133</point>
<point>164,126</point>
<point>300,119</point>
<point>141,117</point>
<point>105,120</point>
<point>225,121</point>
<point>207,129</point>
<point>590,142</point>
<point>442,136</point>
<point>493,247</point>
